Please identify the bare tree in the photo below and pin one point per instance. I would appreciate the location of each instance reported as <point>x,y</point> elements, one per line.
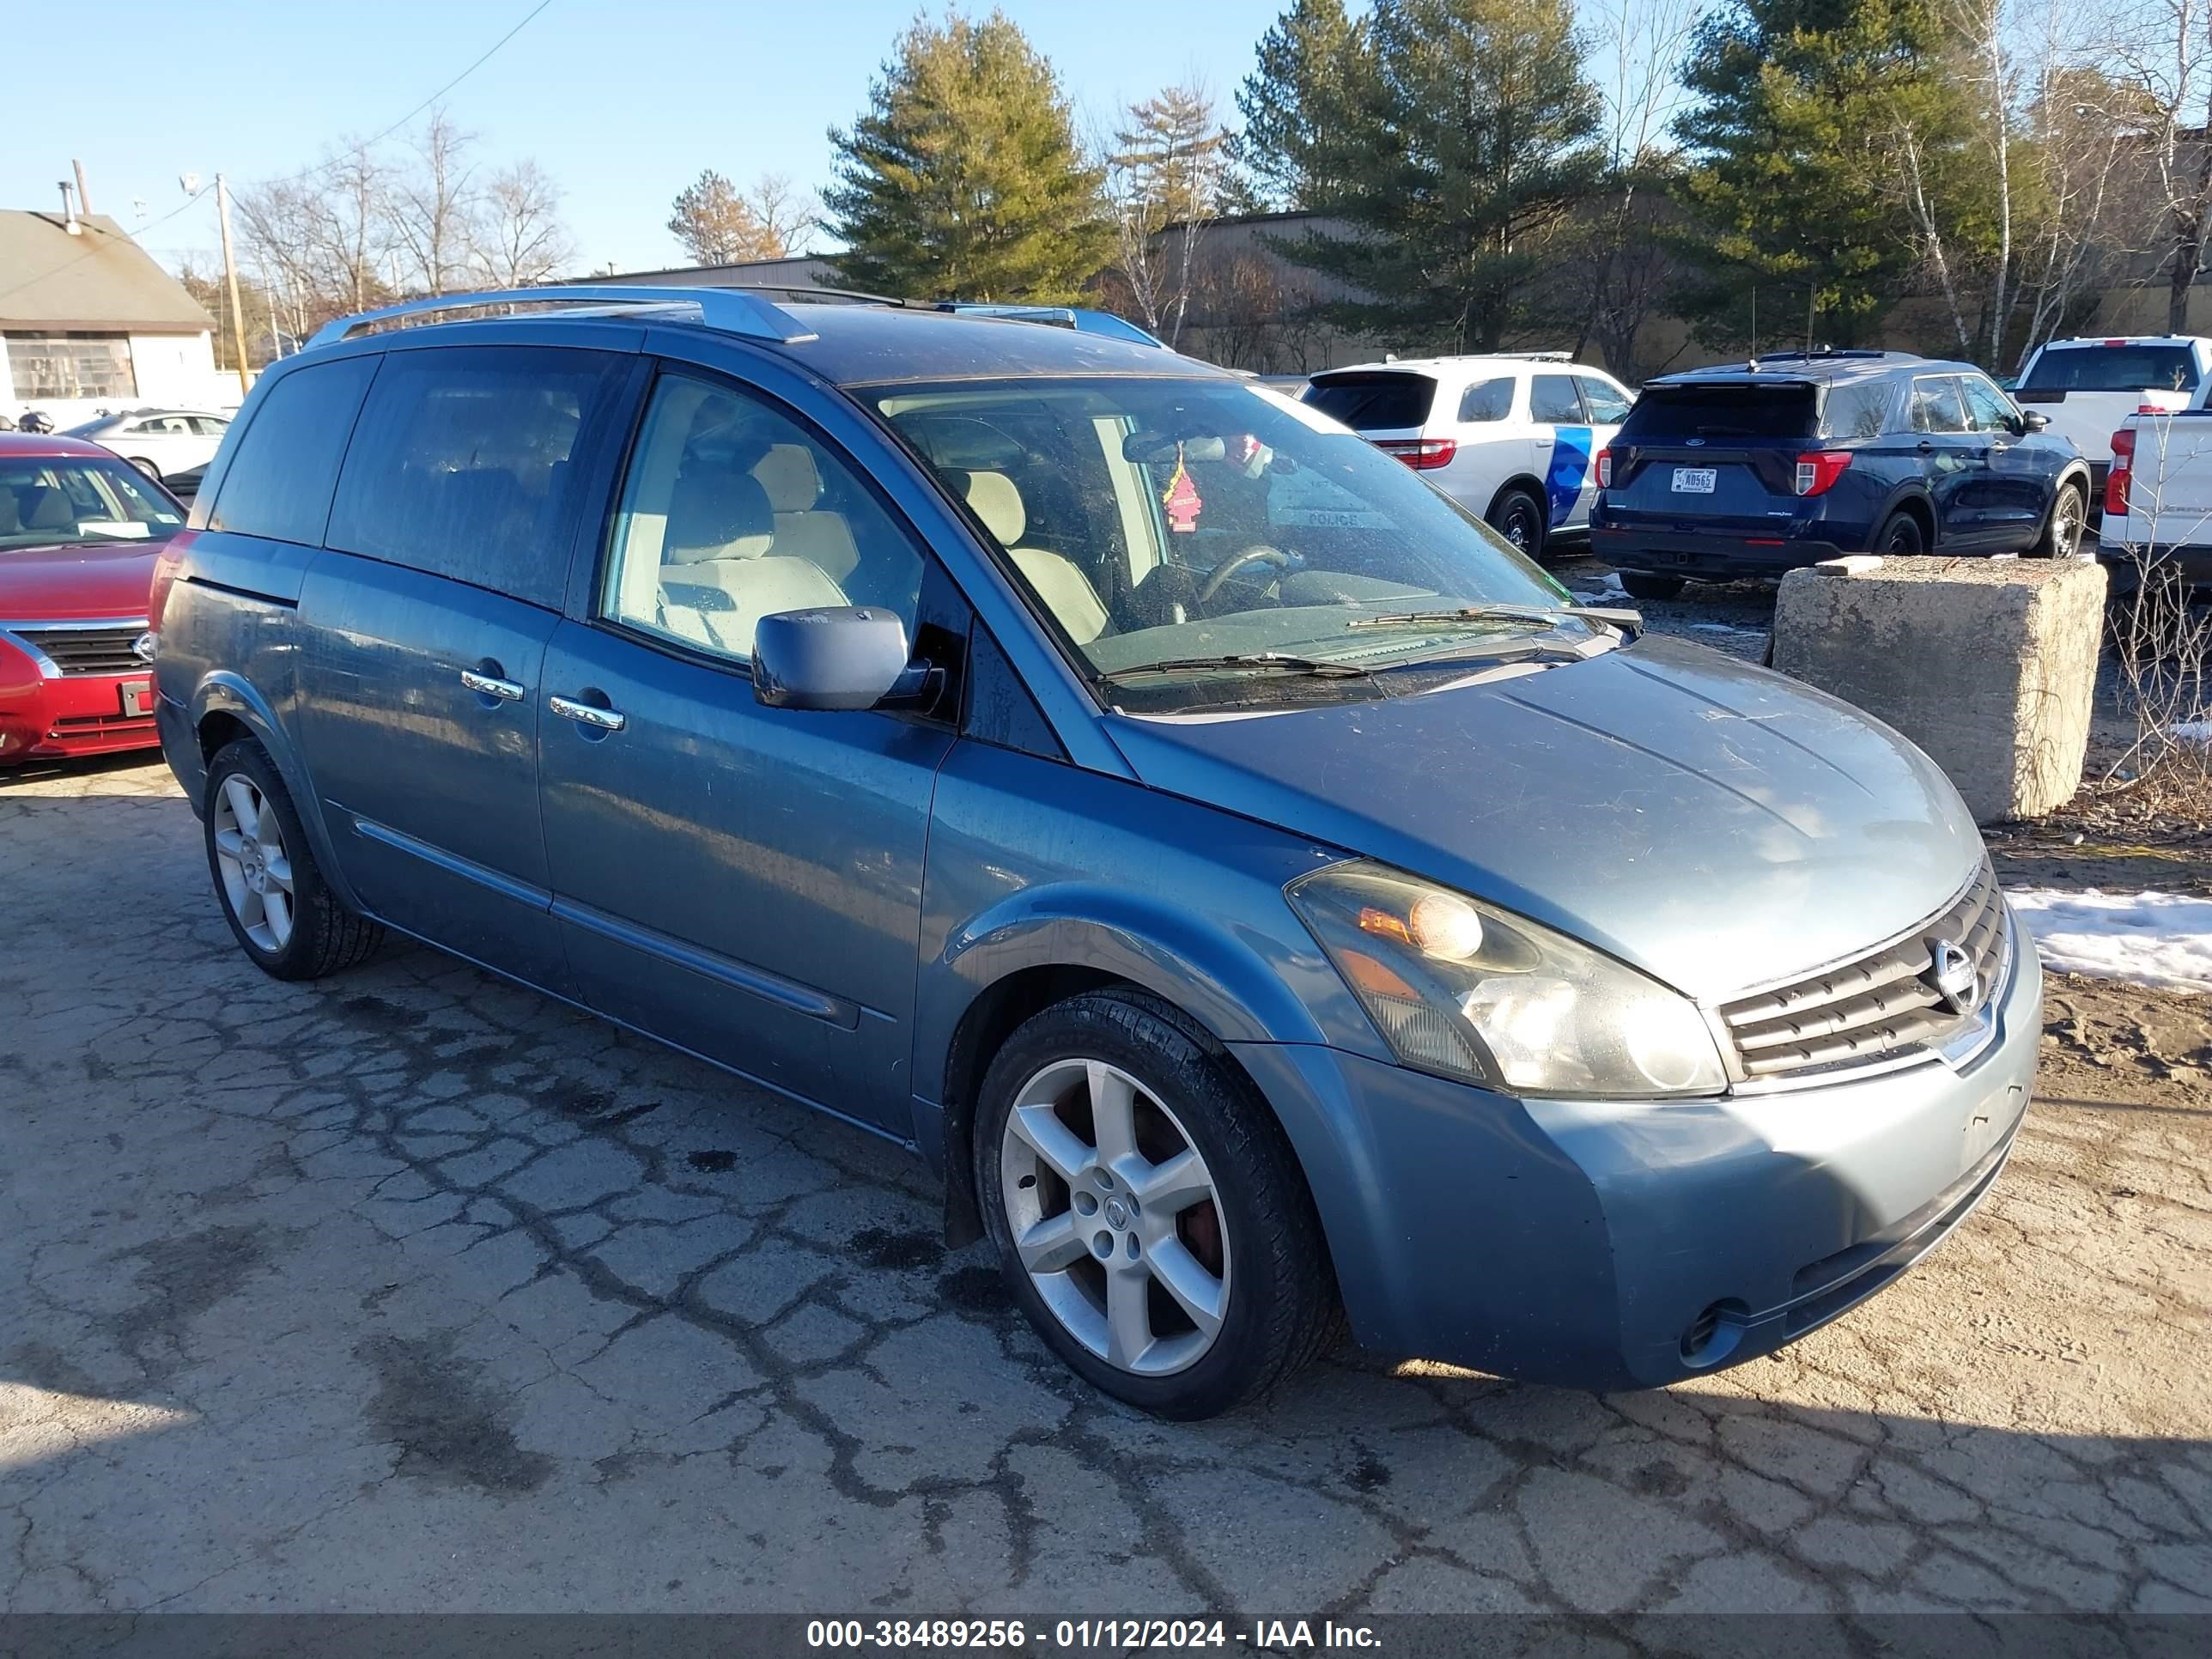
<point>1164,180</point>
<point>521,239</point>
<point>2166,56</point>
<point>435,204</point>
<point>1640,45</point>
<point>789,213</point>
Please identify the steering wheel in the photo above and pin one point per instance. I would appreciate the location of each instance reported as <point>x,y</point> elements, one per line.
<point>1259,552</point>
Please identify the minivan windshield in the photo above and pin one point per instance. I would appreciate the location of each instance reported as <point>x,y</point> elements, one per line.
<point>1210,541</point>
<point>46,499</point>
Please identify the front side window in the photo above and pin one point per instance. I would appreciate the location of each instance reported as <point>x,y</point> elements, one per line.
<point>1552,397</point>
<point>461,465</point>
<point>1991,409</point>
<point>1936,405</point>
<point>45,500</point>
<point>1486,400</point>
<point>1203,541</point>
<point>733,511</point>
<point>1607,404</point>
<point>71,365</point>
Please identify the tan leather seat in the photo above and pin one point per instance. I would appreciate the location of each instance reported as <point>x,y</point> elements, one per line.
<point>1057,580</point>
<point>718,573</point>
<point>793,483</point>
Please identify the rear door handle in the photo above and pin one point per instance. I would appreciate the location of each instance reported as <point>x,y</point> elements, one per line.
<point>492,686</point>
<point>585,713</point>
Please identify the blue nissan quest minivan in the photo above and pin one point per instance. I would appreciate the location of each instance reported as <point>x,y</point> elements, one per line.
<point>1265,897</point>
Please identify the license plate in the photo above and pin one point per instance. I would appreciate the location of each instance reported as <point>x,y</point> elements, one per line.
<point>137,697</point>
<point>1693,481</point>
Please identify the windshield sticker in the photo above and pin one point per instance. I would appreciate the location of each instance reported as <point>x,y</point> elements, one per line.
<point>120,530</point>
<point>1181,498</point>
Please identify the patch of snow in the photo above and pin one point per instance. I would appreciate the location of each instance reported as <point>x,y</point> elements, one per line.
<point>2162,940</point>
<point>1613,582</point>
<point>1726,628</point>
<point>2192,731</point>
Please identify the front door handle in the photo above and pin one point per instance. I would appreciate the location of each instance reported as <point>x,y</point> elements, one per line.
<point>492,686</point>
<point>585,713</point>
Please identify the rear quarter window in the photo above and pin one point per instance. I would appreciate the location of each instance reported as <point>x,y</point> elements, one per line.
<point>1486,400</point>
<point>278,484</point>
<point>1669,414</point>
<point>1373,402</point>
<point>461,467</point>
<point>1857,411</point>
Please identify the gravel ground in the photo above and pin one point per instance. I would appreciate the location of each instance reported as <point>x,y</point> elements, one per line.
<point>410,1290</point>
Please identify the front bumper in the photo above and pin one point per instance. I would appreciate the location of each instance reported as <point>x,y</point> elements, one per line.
<point>1584,1243</point>
<point>46,716</point>
<point>1715,558</point>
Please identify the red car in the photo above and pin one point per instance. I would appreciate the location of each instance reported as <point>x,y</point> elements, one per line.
<point>79,531</point>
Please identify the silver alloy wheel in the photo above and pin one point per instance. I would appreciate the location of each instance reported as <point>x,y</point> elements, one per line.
<point>2066,524</point>
<point>256,871</point>
<point>1115,1217</point>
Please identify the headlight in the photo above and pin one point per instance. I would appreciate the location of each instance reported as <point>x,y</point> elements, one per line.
<point>1462,988</point>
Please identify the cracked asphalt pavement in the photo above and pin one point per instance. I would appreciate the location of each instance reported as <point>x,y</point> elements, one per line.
<point>410,1290</point>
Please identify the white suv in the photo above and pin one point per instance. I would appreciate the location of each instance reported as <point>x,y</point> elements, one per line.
<point>1508,436</point>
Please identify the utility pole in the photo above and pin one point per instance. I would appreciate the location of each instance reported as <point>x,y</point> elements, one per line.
<point>83,196</point>
<point>230,273</point>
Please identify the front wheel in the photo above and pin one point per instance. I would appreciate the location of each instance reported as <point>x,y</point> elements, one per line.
<point>2061,531</point>
<point>1639,585</point>
<point>1149,1216</point>
<point>283,913</point>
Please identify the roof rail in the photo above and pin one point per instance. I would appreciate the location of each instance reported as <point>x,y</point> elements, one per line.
<point>729,310</point>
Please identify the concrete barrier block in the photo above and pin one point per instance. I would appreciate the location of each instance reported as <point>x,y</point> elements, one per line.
<point>1989,665</point>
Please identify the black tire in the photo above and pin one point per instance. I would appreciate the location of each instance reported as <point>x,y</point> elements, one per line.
<point>1281,1302</point>
<point>1519,517</point>
<point>2062,529</point>
<point>323,936</point>
<point>1640,586</point>
<point>1901,535</point>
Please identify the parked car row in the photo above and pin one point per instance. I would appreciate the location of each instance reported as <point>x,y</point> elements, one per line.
<point>1740,469</point>
<point>1231,867</point>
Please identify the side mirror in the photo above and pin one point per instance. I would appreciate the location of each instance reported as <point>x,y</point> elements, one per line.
<point>834,657</point>
<point>2033,420</point>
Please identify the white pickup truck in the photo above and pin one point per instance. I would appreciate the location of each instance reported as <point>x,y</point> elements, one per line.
<point>2158,495</point>
<point>2087,388</point>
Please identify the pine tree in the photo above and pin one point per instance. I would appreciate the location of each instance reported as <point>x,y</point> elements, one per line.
<point>1453,137</point>
<point>1290,102</point>
<point>1815,116</point>
<point>718,227</point>
<point>963,178</point>
<point>1163,184</point>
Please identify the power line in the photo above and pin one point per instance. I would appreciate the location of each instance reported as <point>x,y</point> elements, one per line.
<point>527,19</point>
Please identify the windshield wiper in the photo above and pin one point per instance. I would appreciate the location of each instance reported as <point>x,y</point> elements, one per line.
<point>1264,662</point>
<point>1621,616</point>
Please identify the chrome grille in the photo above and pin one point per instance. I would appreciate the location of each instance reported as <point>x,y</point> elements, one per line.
<point>1872,1008</point>
<point>104,650</point>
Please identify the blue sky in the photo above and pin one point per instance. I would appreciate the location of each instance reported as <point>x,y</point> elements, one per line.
<point>622,103</point>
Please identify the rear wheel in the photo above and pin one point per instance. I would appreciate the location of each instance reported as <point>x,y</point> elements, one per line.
<point>2061,531</point>
<point>147,467</point>
<point>1519,517</point>
<point>1149,1216</point>
<point>282,913</point>
<point>1901,534</point>
<point>1640,586</point>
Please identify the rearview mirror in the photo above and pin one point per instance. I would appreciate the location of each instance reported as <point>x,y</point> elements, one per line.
<point>834,657</point>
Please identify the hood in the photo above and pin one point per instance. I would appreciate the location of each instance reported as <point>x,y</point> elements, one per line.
<point>69,584</point>
<point>1716,824</point>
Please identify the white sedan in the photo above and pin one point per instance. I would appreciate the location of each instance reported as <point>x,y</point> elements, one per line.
<point>158,441</point>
